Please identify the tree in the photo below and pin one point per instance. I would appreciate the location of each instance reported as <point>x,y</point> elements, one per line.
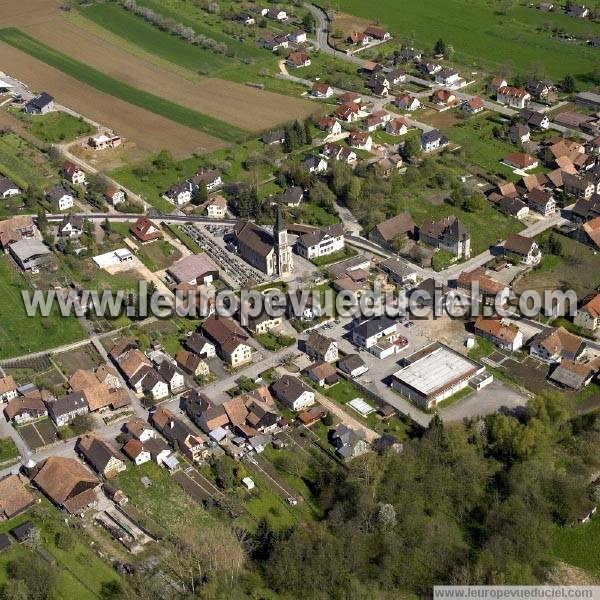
<point>164,160</point>
<point>201,194</point>
<point>42,220</point>
<point>308,23</point>
<point>568,84</point>
<point>65,539</point>
<point>410,148</point>
<point>440,47</point>
<point>38,576</point>
<point>113,590</point>
<point>307,132</point>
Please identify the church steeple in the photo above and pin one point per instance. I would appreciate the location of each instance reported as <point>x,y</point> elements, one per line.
<point>283,252</point>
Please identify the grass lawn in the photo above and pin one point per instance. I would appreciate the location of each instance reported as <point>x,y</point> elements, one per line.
<point>24,164</point>
<point>185,239</point>
<point>579,545</point>
<point>483,37</point>
<point>56,126</point>
<point>80,572</point>
<point>20,334</point>
<point>118,89</point>
<point>344,391</point>
<point>310,213</point>
<point>481,147</point>
<point>261,502</point>
<point>156,41</point>
<point>8,450</point>
<point>274,341</point>
<point>212,26</point>
<point>346,252</point>
<point>158,255</point>
<point>577,269</point>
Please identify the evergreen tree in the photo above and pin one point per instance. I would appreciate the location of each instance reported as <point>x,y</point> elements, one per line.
<point>308,139</point>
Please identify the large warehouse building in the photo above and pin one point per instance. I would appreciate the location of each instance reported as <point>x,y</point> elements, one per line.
<point>436,373</point>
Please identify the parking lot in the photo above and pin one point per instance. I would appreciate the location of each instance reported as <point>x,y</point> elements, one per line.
<point>210,239</point>
<point>39,434</point>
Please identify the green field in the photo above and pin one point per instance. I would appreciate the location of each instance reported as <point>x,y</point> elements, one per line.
<point>483,37</point>
<point>212,26</point>
<point>579,545</point>
<point>20,334</point>
<point>482,148</point>
<point>24,164</point>
<point>118,89</point>
<point>156,41</point>
<point>56,126</point>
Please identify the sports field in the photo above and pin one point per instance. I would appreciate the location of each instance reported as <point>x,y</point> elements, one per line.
<point>482,36</point>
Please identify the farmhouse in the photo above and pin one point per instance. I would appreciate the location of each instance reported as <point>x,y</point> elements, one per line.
<point>574,375</point>
<point>40,105</point>
<point>24,409</point>
<point>377,33</point>
<point>542,202</point>
<point>389,231</point>
<point>588,315</point>
<point>447,234</point>
<point>578,186</point>
<point>505,335</point>
<point>522,249</point>
<point>555,344</point>
<point>321,242</point>
<point>319,347</point>
<point>229,339</point>
<point>64,409</point>
<point>100,455</point>
<point>433,374</point>
<point>67,483</point>
<point>514,207</point>
<point>479,285</point>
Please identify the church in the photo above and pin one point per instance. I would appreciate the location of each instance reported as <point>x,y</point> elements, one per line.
<point>269,253</point>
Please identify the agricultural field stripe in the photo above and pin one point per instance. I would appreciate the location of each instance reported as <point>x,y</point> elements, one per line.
<point>118,89</point>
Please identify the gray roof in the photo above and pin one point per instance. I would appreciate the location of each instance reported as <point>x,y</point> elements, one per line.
<point>57,192</point>
<point>318,235</point>
<point>351,362</point>
<point>397,266</point>
<point>27,248</point>
<point>6,184</point>
<point>374,326</point>
<point>192,267</point>
<point>41,101</point>
<point>67,404</point>
<point>289,388</point>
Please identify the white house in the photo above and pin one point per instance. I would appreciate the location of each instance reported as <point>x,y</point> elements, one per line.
<point>407,102</point>
<point>293,393</point>
<point>321,242</point>
<point>321,90</point>
<point>8,389</point>
<point>513,96</point>
<point>448,77</point>
<point>179,195</point>
<point>588,316</point>
<point>217,207</point>
<point>60,198</point>
<point>297,37</point>
<point>361,140</point>
<point>8,188</point>
<point>368,333</point>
